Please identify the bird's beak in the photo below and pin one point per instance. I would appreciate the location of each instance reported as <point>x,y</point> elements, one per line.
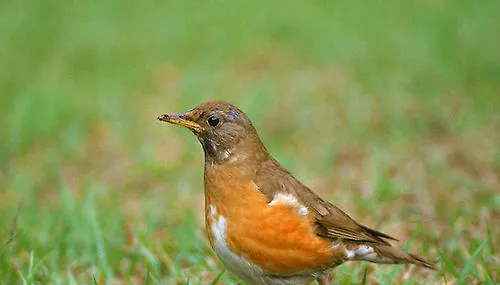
<point>181,120</point>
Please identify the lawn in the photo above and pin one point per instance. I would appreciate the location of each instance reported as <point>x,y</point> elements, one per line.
<point>389,109</point>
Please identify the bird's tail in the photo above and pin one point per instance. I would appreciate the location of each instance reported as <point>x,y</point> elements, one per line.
<point>396,255</point>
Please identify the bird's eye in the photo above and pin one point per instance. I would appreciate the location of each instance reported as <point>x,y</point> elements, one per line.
<point>213,121</point>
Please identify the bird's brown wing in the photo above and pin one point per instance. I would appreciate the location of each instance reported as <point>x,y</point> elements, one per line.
<point>331,222</point>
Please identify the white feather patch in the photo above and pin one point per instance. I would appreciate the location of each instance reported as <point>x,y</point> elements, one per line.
<point>365,252</point>
<point>213,211</point>
<point>289,200</point>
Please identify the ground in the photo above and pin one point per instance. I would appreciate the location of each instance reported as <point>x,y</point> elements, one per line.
<point>388,109</point>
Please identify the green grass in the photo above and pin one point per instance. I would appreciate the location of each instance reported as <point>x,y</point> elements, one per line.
<point>388,109</point>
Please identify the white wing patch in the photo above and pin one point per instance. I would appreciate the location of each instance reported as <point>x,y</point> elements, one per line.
<point>289,200</point>
<point>365,252</point>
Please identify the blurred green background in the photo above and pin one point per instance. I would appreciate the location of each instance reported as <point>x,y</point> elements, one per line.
<point>390,109</point>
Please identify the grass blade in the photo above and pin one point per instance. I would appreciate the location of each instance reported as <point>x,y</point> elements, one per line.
<point>14,229</point>
<point>470,263</point>
<point>363,282</point>
<point>94,281</point>
<point>218,277</point>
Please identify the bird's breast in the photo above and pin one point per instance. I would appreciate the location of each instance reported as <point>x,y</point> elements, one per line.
<point>245,229</point>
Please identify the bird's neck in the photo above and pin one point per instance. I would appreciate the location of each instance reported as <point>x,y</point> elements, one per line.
<point>248,153</point>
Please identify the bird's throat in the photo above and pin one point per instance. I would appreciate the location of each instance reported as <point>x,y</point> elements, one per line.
<point>214,152</point>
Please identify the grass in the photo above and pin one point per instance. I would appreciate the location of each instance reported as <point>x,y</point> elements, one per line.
<point>388,109</point>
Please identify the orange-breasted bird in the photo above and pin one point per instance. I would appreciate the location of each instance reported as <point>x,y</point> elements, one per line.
<point>265,226</point>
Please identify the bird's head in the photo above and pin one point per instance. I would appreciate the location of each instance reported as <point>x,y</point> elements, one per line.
<point>224,131</point>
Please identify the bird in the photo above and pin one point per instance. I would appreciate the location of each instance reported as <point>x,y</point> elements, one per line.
<point>265,226</point>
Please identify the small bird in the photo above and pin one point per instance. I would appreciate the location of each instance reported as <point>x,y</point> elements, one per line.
<point>265,226</point>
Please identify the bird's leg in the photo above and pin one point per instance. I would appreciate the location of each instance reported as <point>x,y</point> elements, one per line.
<point>325,279</point>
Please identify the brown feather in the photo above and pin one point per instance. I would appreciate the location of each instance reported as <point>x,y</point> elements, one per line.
<point>331,222</point>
